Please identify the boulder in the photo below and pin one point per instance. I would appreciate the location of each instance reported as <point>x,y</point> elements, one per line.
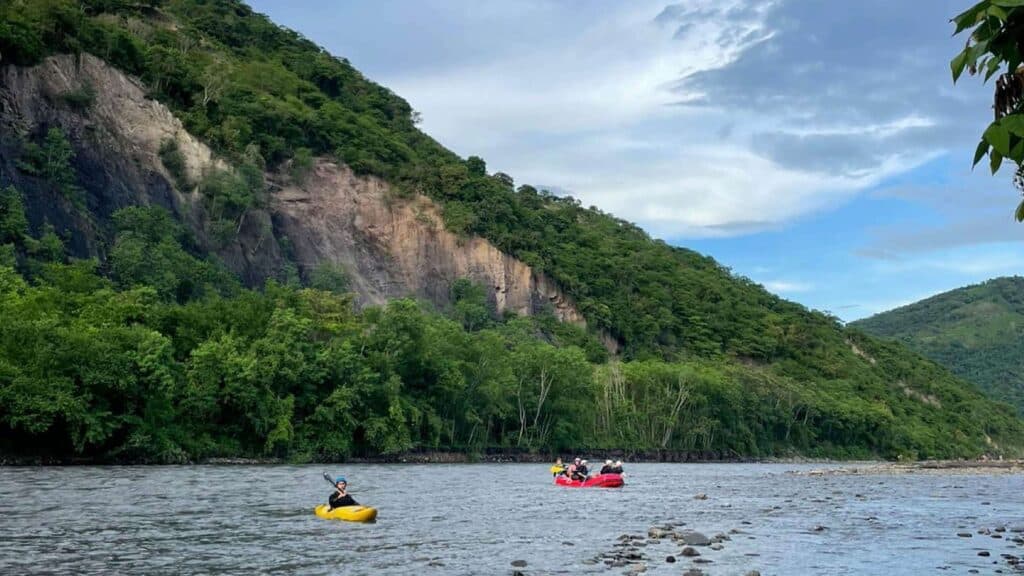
<point>657,532</point>
<point>693,538</point>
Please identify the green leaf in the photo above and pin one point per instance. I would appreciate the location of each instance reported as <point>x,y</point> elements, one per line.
<point>957,65</point>
<point>1008,3</point>
<point>983,147</point>
<point>976,50</point>
<point>1020,212</point>
<point>995,160</point>
<point>1014,124</point>
<point>998,12</point>
<point>999,137</point>
<point>992,67</point>
<point>969,17</point>
<point>1017,150</point>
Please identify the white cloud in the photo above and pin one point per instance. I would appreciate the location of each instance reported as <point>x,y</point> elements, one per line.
<point>787,287</point>
<point>597,111</point>
<point>878,130</point>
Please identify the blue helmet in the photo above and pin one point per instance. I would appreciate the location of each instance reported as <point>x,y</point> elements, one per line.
<point>340,479</point>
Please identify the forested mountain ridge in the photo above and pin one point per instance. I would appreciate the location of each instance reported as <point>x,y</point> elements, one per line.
<point>144,347</point>
<point>976,331</point>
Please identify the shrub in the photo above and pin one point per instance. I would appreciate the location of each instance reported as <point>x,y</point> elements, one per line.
<point>80,99</point>
<point>174,162</point>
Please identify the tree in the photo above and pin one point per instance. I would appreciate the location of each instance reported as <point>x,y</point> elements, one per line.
<point>52,161</point>
<point>214,80</point>
<point>470,305</point>
<point>476,166</point>
<point>13,223</point>
<point>995,47</point>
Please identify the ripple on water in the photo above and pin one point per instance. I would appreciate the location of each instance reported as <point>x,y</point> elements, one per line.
<point>462,519</point>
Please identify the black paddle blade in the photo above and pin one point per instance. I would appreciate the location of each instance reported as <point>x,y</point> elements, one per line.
<point>329,479</point>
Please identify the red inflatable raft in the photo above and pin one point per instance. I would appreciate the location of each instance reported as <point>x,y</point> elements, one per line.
<point>598,481</point>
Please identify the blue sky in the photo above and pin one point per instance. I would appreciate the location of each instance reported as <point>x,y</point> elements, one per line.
<point>818,148</point>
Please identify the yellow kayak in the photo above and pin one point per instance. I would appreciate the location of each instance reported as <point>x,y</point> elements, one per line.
<point>349,513</point>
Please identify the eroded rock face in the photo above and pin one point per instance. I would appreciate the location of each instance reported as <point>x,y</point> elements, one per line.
<point>116,139</point>
<point>390,247</point>
<point>393,247</point>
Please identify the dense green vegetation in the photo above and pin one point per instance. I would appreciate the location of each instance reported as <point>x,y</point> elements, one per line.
<point>976,331</point>
<point>169,359</point>
<point>995,47</point>
<point>158,354</point>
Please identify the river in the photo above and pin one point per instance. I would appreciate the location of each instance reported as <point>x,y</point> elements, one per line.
<point>479,518</point>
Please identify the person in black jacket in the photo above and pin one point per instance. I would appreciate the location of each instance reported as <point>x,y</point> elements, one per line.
<point>341,497</point>
<point>582,470</point>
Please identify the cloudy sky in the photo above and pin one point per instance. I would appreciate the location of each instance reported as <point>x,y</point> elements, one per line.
<point>817,147</point>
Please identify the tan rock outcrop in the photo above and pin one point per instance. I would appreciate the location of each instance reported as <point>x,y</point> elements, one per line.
<point>393,247</point>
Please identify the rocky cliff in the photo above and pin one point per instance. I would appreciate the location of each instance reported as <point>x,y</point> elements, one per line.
<point>389,246</point>
<point>393,246</point>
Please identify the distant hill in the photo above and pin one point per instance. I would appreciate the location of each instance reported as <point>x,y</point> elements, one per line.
<point>976,331</point>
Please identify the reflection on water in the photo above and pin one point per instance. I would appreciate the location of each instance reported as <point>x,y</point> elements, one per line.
<point>473,519</point>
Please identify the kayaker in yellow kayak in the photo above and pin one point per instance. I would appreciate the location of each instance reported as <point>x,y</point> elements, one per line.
<point>341,497</point>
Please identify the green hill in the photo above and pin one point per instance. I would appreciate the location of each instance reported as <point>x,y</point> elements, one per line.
<point>146,349</point>
<point>976,331</point>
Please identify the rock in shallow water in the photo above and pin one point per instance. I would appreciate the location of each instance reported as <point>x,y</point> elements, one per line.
<point>693,538</point>
<point>657,532</point>
<point>634,569</point>
<point>670,559</point>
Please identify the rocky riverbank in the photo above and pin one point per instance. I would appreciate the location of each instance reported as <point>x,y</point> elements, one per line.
<point>939,467</point>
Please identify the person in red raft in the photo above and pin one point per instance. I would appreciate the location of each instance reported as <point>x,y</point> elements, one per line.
<point>610,468</point>
<point>579,472</point>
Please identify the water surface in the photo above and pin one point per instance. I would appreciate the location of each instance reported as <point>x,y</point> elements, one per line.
<point>478,518</point>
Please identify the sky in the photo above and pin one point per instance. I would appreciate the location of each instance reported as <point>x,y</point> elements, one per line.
<point>816,147</point>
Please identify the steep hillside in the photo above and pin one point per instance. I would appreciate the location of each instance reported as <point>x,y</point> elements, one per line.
<point>976,331</point>
<point>252,149</point>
